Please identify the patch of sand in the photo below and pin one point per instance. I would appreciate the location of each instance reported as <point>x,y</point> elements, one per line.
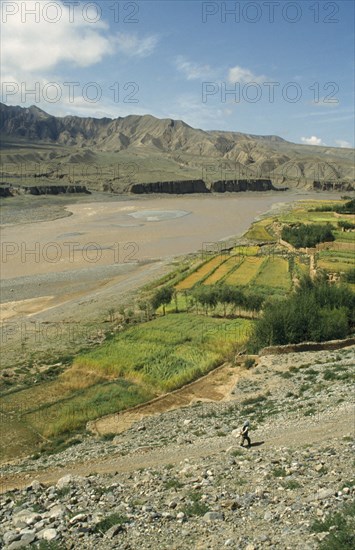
<point>18,308</point>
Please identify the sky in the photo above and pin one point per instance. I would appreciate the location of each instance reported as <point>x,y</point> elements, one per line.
<point>259,67</point>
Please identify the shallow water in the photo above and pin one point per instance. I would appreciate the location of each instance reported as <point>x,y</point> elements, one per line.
<point>104,233</point>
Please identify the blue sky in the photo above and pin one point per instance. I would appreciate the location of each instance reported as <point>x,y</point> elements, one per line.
<point>265,67</point>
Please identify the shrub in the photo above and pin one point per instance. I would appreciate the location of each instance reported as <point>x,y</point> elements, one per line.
<point>350,276</point>
<point>317,311</point>
<point>302,235</point>
<point>108,522</point>
<point>195,507</point>
<point>342,537</point>
<point>249,363</point>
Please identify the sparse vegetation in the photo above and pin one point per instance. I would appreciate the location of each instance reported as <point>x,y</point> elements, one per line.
<point>111,520</point>
<point>194,506</point>
<point>342,526</point>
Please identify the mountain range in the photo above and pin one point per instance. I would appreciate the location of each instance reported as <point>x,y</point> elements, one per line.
<point>143,149</point>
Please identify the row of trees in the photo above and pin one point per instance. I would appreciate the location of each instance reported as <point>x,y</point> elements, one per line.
<point>347,208</point>
<point>211,296</point>
<point>317,311</point>
<point>302,235</point>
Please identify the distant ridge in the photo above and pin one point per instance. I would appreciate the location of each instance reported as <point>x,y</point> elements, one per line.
<point>167,150</point>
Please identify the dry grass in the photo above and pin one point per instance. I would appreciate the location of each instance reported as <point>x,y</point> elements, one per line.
<point>79,378</point>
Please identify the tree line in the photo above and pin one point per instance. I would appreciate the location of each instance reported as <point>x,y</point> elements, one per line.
<point>347,208</point>
<point>317,311</point>
<point>208,297</point>
<point>307,236</point>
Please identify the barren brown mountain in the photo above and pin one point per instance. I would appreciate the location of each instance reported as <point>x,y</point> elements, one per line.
<point>110,154</point>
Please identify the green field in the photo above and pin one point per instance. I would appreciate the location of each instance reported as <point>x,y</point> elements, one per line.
<point>259,232</point>
<point>274,273</point>
<point>345,236</point>
<point>149,358</point>
<point>335,265</point>
<point>301,267</point>
<point>135,366</point>
<point>246,272</point>
<point>305,214</point>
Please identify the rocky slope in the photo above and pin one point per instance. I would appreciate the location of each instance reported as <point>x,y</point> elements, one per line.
<point>149,149</point>
<point>180,480</point>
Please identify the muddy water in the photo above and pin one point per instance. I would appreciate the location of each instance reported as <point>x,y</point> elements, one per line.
<point>130,231</point>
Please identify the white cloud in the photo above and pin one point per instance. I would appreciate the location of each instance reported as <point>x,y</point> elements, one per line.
<point>343,143</point>
<point>313,140</point>
<point>39,46</point>
<point>192,70</point>
<point>29,45</point>
<point>133,46</point>
<point>244,76</point>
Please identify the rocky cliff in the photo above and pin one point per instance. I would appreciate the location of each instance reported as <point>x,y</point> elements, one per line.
<point>171,187</point>
<point>235,186</point>
<point>199,186</point>
<point>333,186</point>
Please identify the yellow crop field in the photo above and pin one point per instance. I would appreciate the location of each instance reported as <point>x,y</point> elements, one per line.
<point>222,270</point>
<point>199,274</point>
<point>244,274</point>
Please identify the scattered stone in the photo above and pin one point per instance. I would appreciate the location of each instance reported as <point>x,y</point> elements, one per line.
<point>113,531</point>
<point>323,494</point>
<point>11,536</point>
<point>65,481</point>
<point>49,534</point>
<point>250,505</point>
<point>213,516</point>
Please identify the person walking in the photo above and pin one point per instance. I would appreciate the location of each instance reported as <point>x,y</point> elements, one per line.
<point>245,434</point>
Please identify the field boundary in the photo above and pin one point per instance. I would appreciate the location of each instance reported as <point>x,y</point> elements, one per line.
<point>308,346</point>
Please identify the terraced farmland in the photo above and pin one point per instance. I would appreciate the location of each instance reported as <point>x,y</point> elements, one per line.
<point>136,365</point>
<point>335,265</point>
<point>199,274</point>
<point>222,270</point>
<point>274,273</point>
<point>301,267</point>
<point>246,272</point>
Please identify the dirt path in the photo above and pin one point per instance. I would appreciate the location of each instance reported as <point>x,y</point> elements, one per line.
<point>327,428</point>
